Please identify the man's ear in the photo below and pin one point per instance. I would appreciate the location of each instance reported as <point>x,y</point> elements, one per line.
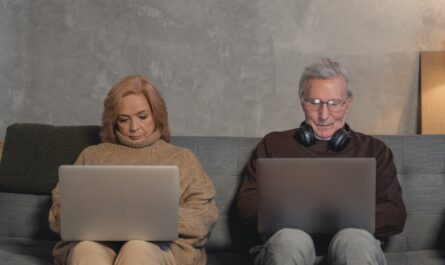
<point>349,103</point>
<point>301,103</point>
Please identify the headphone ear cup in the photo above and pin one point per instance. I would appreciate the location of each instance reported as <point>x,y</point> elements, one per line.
<point>339,140</point>
<point>305,134</point>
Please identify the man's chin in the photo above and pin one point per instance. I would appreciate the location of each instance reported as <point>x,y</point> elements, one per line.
<point>324,135</point>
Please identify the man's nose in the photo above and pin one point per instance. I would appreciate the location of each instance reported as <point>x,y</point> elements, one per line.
<point>323,112</point>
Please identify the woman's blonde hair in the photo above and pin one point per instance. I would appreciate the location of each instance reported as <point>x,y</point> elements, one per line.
<point>136,85</point>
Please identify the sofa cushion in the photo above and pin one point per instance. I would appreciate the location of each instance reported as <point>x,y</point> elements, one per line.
<point>33,152</point>
<point>19,251</point>
<point>25,216</point>
<point>425,257</point>
<point>231,258</point>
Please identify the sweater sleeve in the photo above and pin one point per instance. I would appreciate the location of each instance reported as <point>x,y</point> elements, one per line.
<point>390,209</point>
<point>197,210</point>
<point>54,212</point>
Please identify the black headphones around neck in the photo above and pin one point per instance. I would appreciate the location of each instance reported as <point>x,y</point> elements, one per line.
<point>306,136</point>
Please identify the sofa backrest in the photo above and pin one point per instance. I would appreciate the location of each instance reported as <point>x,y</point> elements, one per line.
<point>33,153</point>
<point>420,161</point>
<point>223,158</point>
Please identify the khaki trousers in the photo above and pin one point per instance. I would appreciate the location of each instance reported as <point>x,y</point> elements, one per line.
<point>134,252</point>
<point>295,247</point>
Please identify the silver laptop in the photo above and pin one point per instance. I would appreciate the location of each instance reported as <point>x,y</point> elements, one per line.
<point>318,195</point>
<point>119,203</point>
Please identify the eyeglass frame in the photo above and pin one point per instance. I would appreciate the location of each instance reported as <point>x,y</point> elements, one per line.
<point>328,104</point>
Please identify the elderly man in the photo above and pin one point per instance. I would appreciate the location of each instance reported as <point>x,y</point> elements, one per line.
<point>326,99</point>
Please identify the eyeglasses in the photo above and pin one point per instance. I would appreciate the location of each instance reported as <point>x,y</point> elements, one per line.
<point>314,104</point>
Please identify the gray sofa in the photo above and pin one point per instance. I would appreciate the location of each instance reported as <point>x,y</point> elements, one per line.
<point>32,153</point>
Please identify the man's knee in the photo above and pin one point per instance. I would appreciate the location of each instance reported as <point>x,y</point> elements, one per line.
<point>288,239</point>
<point>353,236</point>
<point>287,246</point>
<point>355,246</point>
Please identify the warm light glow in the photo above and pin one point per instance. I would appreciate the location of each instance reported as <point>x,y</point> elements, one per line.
<point>433,92</point>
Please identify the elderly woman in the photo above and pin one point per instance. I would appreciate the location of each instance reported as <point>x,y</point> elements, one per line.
<point>135,131</point>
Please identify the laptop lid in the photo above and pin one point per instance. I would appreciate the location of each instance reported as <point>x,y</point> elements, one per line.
<point>119,203</point>
<point>318,195</point>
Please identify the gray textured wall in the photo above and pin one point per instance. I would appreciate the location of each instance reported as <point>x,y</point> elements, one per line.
<point>226,68</point>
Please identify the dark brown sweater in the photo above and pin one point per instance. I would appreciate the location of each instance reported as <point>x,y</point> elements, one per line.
<point>390,209</point>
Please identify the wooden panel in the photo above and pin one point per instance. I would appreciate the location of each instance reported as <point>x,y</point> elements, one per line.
<point>432,76</point>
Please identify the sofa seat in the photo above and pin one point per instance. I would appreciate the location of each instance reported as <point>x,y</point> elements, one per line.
<point>425,257</point>
<point>232,258</point>
<point>19,251</point>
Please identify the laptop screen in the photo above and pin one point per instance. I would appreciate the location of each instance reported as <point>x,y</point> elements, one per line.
<point>317,195</point>
<point>119,203</point>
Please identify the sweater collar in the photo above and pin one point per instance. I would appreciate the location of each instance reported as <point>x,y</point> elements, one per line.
<point>150,140</point>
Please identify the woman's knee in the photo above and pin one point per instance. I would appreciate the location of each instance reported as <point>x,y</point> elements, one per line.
<point>141,252</point>
<point>89,246</point>
<point>139,246</point>
<point>93,252</point>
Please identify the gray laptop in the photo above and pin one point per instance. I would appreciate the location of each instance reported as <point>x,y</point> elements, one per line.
<point>318,195</point>
<point>119,203</point>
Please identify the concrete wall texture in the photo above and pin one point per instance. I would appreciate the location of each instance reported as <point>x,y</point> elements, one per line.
<point>225,68</point>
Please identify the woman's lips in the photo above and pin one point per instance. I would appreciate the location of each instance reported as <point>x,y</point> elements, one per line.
<point>136,137</point>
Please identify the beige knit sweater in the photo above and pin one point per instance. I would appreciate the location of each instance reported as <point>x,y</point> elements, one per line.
<point>197,209</point>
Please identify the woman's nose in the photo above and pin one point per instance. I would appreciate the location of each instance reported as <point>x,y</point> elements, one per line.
<point>133,126</point>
